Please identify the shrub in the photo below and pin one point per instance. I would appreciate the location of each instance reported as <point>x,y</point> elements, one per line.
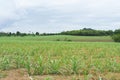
<point>116,37</point>
<point>57,39</point>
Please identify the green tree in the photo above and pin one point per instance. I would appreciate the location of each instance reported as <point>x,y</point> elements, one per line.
<point>117,31</point>
<point>116,37</point>
<point>18,33</point>
<point>37,33</point>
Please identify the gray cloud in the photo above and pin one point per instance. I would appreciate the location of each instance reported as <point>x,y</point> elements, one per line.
<point>58,15</point>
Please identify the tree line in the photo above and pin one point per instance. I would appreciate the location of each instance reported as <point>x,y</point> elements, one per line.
<point>88,32</point>
<point>25,34</point>
<point>81,32</point>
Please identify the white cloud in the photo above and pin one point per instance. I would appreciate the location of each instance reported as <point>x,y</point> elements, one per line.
<point>58,15</point>
<point>6,9</point>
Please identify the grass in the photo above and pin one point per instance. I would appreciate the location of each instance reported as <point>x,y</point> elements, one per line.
<point>59,57</point>
<point>61,38</point>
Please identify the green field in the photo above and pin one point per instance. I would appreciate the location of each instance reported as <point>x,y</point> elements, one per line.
<point>61,55</point>
<point>60,38</point>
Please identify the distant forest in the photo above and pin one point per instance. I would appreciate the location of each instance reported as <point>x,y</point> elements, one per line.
<point>81,32</point>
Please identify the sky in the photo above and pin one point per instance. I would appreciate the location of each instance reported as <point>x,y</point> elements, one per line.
<point>58,15</point>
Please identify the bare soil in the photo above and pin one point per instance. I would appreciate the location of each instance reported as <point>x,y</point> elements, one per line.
<point>16,74</point>
<point>21,74</point>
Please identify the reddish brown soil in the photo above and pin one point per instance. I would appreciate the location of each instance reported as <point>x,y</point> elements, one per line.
<point>19,74</point>
<point>108,76</point>
<point>57,77</point>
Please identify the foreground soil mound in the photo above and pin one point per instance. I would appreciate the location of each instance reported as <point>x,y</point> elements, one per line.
<point>17,74</point>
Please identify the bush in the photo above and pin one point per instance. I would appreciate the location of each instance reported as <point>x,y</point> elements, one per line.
<point>116,37</point>
<point>57,39</point>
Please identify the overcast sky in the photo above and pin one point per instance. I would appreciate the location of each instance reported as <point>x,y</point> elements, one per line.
<point>58,15</point>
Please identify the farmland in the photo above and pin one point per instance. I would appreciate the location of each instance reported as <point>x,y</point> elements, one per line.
<point>78,58</point>
<point>60,38</point>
